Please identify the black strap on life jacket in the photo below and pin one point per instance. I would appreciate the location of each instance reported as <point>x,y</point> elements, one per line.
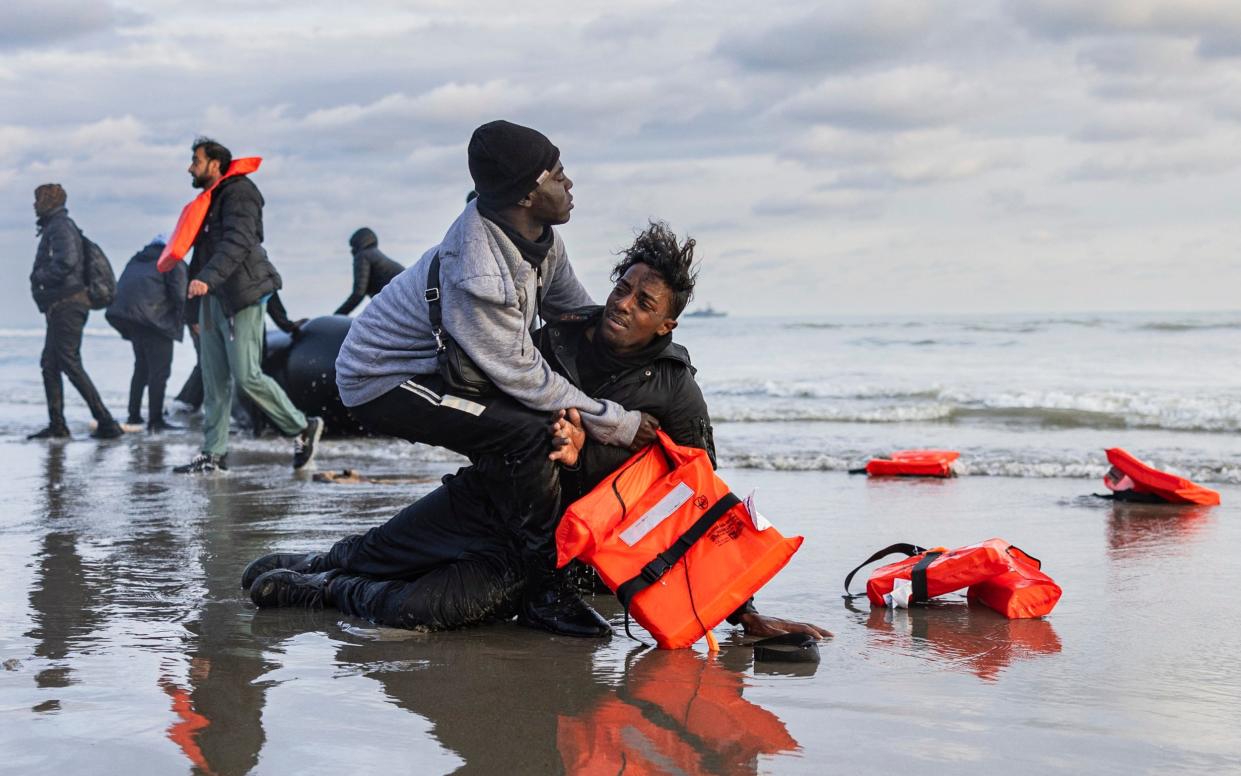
<point>909,550</point>
<point>653,571</point>
<point>918,577</point>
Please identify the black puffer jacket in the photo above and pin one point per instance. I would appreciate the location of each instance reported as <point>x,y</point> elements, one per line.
<point>228,254</point>
<point>149,298</point>
<point>59,271</point>
<point>371,270</point>
<point>664,388</point>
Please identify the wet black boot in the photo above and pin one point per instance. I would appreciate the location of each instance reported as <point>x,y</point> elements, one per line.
<point>553,605</point>
<point>301,562</point>
<point>289,589</point>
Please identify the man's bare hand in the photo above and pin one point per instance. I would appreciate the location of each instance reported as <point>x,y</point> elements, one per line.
<point>197,288</point>
<point>568,438</point>
<point>646,432</point>
<point>194,329</point>
<point>763,627</point>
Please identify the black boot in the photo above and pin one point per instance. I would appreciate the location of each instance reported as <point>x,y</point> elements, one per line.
<point>286,588</point>
<point>301,562</point>
<point>51,432</point>
<point>108,429</point>
<point>555,606</point>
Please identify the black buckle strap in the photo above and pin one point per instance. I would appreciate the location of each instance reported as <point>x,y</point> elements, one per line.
<point>909,550</point>
<point>658,566</point>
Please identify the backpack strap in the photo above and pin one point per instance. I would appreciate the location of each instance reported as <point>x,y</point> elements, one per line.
<point>432,296</point>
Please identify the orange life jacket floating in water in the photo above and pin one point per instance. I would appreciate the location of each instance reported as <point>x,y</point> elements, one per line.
<point>192,215</point>
<point>1129,478</point>
<point>997,574</point>
<point>665,534</point>
<point>914,463</point>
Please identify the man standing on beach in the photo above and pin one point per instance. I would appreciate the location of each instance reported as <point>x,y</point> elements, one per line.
<point>58,285</point>
<point>500,266</point>
<point>231,273</point>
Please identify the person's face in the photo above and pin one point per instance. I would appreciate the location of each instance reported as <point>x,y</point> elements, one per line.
<point>204,171</point>
<point>551,202</point>
<point>638,310</point>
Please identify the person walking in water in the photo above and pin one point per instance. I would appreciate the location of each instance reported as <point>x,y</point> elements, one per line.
<point>58,285</point>
<point>149,311</point>
<point>231,274</point>
<point>372,270</point>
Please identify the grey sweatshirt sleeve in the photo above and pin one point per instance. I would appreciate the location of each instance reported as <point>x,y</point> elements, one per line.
<point>493,333</point>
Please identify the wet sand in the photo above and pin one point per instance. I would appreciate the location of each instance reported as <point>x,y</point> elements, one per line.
<point>128,647</point>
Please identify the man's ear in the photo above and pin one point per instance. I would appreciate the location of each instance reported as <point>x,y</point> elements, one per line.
<point>668,325</point>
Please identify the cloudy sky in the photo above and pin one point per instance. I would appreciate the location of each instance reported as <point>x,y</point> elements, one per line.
<point>830,157</point>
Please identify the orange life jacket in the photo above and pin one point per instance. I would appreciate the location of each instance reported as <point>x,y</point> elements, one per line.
<point>998,574</point>
<point>674,713</point>
<point>914,463</point>
<point>1128,475</point>
<point>192,215</point>
<point>680,551</point>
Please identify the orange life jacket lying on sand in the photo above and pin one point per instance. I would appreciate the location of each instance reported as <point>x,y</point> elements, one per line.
<point>192,215</point>
<point>914,463</point>
<point>665,534</point>
<point>998,575</point>
<point>1130,479</point>
<point>674,713</point>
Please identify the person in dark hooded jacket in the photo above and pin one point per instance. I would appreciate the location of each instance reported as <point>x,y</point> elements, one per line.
<point>149,311</point>
<point>371,269</point>
<point>58,285</point>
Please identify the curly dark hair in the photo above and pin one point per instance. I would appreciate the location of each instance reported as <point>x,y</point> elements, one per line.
<point>213,150</point>
<point>658,248</point>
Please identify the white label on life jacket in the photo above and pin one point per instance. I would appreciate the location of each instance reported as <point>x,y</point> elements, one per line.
<point>662,510</point>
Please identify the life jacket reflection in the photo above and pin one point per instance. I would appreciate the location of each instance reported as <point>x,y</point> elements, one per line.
<point>965,637</point>
<point>675,712</point>
<point>680,551</point>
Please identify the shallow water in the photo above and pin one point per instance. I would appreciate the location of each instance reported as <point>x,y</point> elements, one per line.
<point>128,647</point>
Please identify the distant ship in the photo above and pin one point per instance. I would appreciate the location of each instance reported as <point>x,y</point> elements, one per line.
<point>706,312</point>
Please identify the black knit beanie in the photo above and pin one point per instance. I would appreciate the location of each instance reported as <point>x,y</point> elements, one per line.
<point>362,239</point>
<point>506,162</point>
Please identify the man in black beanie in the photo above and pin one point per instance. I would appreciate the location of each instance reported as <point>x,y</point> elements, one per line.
<point>478,293</point>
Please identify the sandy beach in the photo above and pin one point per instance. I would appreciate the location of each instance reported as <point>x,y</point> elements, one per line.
<point>129,648</point>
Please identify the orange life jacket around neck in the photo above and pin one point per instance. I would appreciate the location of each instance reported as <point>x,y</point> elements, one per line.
<point>192,215</point>
<point>680,551</point>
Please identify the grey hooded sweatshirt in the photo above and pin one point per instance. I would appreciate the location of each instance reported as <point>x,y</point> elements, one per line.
<point>489,306</point>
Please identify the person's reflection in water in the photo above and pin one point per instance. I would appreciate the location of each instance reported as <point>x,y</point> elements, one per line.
<point>506,708</point>
<point>1133,527</point>
<point>225,661</point>
<point>62,598</point>
<point>972,637</point>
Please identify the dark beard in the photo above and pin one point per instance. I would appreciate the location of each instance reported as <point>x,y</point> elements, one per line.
<point>199,182</point>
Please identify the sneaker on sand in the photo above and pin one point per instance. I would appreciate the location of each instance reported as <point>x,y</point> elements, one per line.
<point>307,442</point>
<point>204,463</point>
<point>287,588</point>
<point>302,562</point>
<point>109,430</point>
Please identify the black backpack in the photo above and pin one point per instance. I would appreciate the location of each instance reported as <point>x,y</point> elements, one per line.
<point>100,280</point>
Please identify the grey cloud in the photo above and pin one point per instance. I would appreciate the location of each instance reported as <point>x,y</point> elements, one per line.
<point>841,36</point>
<point>1215,21</point>
<point>29,23</point>
<point>894,99</point>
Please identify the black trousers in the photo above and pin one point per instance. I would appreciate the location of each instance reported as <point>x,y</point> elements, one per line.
<point>152,365</point>
<point>62,355</point>
<point>446,561</point>
<point>191,392</point>
<point>508,444</point>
